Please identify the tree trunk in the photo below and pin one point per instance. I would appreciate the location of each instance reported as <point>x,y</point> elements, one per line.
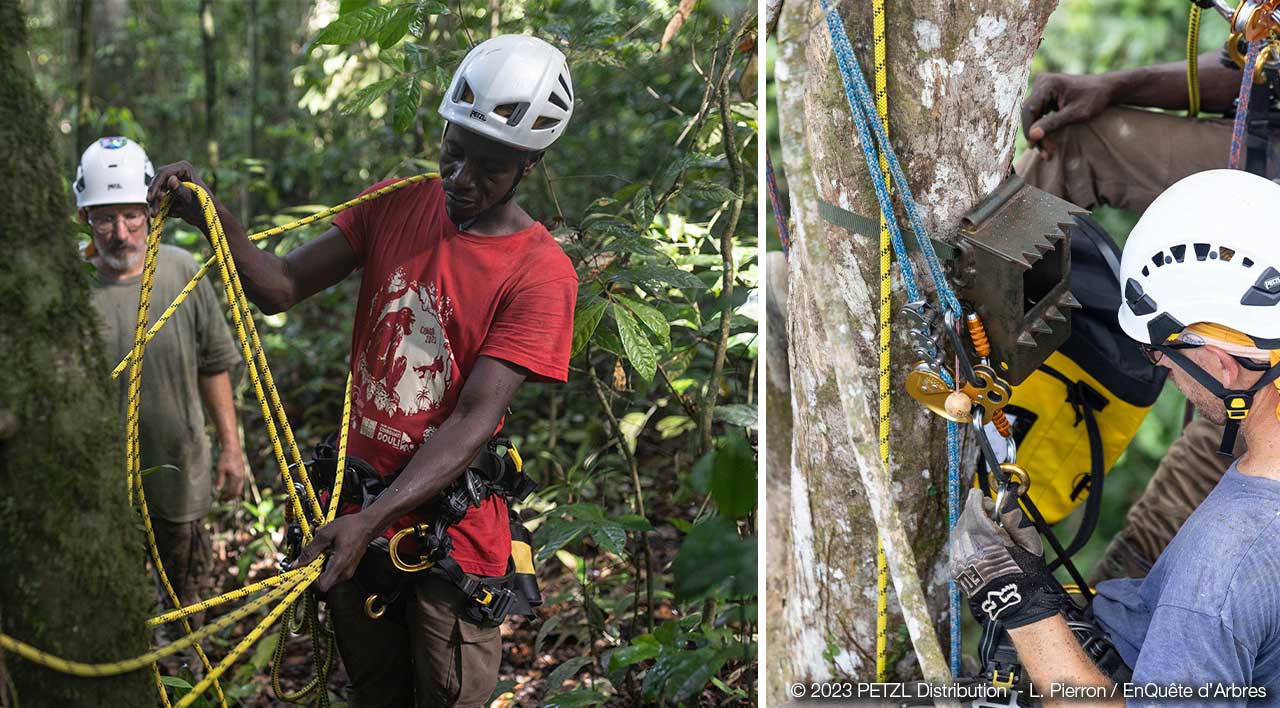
<point>956,76</point>
<point>84,75</point>
<point>73,580</point>
<point>210,89</point>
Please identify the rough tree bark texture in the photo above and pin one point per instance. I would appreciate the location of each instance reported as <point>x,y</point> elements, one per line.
<point>72,578</point>
<point>956,77</point>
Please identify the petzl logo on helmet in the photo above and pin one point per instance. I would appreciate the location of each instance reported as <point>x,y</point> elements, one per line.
<point>479,116</point>
<point>1000,600</point>
<point>1272,284</point>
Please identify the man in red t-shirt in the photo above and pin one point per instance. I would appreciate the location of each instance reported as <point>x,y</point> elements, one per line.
<point>463,297</point>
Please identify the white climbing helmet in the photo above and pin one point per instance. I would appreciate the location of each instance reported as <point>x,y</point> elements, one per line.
<point>513,89</point>
<point>1206,250</point>
<point>112,171</point>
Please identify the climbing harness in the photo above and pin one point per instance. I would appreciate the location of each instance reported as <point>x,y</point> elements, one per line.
<point>497,470</point>
<point>284,590</point>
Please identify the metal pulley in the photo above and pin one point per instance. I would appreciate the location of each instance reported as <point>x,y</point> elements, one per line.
<point>1014,264</point>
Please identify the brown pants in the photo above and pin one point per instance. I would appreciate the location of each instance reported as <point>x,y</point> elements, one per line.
<point>420,653</point>
<point>187,554</point>
<point>1125,158</point>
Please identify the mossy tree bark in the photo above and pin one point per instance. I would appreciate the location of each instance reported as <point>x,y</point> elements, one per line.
<point>957,72</point>
<point>71,556</point>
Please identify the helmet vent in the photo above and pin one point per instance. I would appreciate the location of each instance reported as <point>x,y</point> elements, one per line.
<point>1179,252</point>
<point>544,122</point>
<point>567,91</point>
<point>464,94</point>
<point>1247,263</point>
<point>1202,250</point>
<point>1158,259</point>
<point>555,98</point>
<point>1225,254</point>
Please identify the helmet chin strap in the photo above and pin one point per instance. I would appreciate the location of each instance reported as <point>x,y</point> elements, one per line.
<point>1237,401</point>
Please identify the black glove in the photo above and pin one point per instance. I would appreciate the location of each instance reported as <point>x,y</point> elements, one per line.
<point>1001,569</point>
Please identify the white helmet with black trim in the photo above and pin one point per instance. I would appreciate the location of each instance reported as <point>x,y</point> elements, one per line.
<point>513,89</point>
<point>112,170</point>
<point>1206,250</point>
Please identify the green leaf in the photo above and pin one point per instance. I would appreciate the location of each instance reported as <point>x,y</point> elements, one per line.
<point>633,522</point>
<point>408,98</point>
<point>366,96</point>
<point>711,191</point>
<point>349,6</point>
<point>635,653</point>
<point>692,671</point>
<point>631,425</point>
<point>565,671</point>
<point>396,27</point>
<point>577,698</point>
<point>431,7</point>
<point>363,23</point>
<point>585,320</point>
<point>739,414</point>
<point>640,352</point>
<point>733,479</point>
<point>612,538</point>
<point>546,629</point>
<point>642,207</point>
<point>651,317</point>
<point>655,277</point>
<point>556,534</point>
<point>713,555</point>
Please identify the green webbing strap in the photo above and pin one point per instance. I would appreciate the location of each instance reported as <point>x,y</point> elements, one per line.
<point>845,219</point>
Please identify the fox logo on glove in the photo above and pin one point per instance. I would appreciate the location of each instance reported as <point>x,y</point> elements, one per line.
<point>1000,600</point>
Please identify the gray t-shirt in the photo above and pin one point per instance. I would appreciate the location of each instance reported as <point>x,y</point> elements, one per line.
<point>195,341</point>
<point>1208,614</point>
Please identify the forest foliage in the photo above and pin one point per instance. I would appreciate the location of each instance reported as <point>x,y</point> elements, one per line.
<point>645,520</point>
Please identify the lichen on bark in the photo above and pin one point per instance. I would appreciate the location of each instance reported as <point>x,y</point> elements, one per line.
<point>73,580</point>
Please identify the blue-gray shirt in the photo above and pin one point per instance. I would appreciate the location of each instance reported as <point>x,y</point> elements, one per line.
<point>1209,611</point>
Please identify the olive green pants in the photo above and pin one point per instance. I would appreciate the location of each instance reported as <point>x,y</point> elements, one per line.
<point>419,653</point>
<point>1125,158</point>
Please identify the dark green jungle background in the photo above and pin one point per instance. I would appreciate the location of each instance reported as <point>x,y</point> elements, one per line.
<point>646,517</point>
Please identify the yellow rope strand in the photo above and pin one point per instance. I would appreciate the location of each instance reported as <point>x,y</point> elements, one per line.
<point>886,307</point>
<point>1193,58</point>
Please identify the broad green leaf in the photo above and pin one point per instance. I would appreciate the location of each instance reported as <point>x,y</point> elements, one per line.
<point>556,534</point>
<point>639,351</point>
<point>364,23</point>
<point>408,98</point>
<point>396,27</point>
<point>713,555</point>
<point>546,629</point>
<point>739,414</point>
<point>565,671</point>
<point>634,653</point>
<point>612,538</point>
<point>651,317</point>
<point>633,522</point>
<point>631,426</point>
<point>366,96</point>
<point>642,207</point>
<point>692,671</point>
<point>348,6</point>
<point>585,320</point>
<point>656,277</point>
<point>711,191</point>
<point>577,698</point>
<point>733,479</point>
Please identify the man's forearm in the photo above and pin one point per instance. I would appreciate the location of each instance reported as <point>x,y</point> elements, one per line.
<point>440,460</point>
<point>265,275</point>
<point>215,391</point>
<point>1050,654</point>
<point>1165,85</point>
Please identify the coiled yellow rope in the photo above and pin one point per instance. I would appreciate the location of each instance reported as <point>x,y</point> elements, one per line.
<point>286,587</point>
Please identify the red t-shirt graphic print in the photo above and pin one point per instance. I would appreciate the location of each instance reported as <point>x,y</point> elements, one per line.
<point>432,301</point>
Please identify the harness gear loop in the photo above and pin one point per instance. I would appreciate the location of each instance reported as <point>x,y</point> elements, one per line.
<point>394,549</point>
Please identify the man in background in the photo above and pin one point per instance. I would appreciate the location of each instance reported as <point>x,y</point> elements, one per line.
<point>186,363</point>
